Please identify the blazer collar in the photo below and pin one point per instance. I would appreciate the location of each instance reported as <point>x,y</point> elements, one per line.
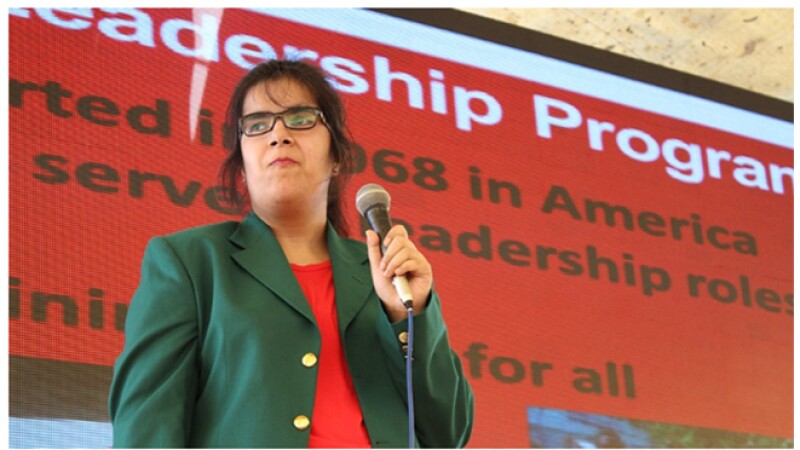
<point>262,257</point>
<point>352,279</point>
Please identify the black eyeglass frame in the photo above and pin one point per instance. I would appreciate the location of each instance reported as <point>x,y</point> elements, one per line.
<point>275,116</point>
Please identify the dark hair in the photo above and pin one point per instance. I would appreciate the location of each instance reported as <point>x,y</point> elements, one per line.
<point>313,79</point>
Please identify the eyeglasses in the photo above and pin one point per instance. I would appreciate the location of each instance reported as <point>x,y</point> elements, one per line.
<point>299,118</point>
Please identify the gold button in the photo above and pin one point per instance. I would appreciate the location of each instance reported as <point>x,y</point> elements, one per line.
<point>301,422</point>
<point>403,336</point>
<point>309,359</point>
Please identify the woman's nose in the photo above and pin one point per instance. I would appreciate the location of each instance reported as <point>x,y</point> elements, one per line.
<point>280,134</point>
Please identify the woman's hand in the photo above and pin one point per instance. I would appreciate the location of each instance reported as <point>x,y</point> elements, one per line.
<point>401,258</point>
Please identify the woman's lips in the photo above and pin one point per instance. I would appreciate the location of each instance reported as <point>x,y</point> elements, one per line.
<point>282,162</point>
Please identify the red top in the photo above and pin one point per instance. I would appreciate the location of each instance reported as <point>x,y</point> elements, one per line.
<point>336,421</point>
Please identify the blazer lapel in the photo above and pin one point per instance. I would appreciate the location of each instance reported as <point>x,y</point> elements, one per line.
<point>263,258</point>
<point>351,277</point>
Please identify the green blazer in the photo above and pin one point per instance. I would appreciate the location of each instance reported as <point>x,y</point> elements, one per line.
<point>215,339</point>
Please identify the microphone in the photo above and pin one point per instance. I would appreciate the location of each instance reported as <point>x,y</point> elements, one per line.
<point>372,202</point>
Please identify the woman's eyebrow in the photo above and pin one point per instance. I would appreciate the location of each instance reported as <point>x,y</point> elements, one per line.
<point>301,105</point>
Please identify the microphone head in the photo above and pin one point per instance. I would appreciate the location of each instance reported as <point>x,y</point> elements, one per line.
<point>371,195</point>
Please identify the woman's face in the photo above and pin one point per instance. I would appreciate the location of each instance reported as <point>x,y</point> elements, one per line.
<point>286,169</point>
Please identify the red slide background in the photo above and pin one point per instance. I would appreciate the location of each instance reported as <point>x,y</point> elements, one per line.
<point>80,217</point>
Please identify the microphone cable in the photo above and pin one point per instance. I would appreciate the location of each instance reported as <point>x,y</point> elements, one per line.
<point>409,384</point>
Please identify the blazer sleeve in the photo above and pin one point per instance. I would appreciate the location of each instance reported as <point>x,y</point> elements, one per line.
<point>155,380</point>
<point>443,400</point>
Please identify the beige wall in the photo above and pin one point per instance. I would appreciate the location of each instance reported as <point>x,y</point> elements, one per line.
<point>748,48</point>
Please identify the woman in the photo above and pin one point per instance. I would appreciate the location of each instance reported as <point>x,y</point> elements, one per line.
<point>276,331</point>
